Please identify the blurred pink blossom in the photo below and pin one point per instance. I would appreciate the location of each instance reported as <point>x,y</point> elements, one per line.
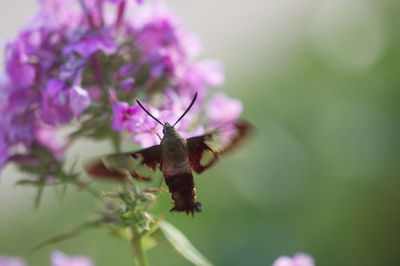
<point>222,109</point>
<point>299,259</point>
<point>60,259</point>
<point>11,261</point>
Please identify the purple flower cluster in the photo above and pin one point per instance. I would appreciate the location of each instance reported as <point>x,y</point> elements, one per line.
<point>89,60</point>
<point>168,51</point>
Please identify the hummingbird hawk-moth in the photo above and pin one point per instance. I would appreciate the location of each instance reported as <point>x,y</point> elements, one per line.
<point>175,157</point>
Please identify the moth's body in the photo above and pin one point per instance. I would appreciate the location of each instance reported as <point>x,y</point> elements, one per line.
<point>177,172</point>
<point>175,157</point>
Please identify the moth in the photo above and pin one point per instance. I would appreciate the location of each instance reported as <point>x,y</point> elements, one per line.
<point>176,157</point>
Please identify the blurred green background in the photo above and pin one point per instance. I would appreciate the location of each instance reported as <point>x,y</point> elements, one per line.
<point>321,82</point>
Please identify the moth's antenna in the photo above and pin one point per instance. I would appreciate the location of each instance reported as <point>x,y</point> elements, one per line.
<point>149,113</point>
<point>187,110</point>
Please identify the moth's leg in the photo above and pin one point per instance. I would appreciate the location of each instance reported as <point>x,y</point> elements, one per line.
<point>158,135</point>
<point>153,131</point>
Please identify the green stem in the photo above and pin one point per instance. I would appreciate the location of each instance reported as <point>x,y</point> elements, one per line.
<point>137,247</point>
<point>39,195</point>
<point>116,142</point>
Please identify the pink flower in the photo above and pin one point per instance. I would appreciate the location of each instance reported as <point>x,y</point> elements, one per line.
<point>147,138</point>
<point>222,110</point>
<point>3,151</point>
<point>79,100</point>
<point>212,72</point>
<point>60,103</point>
<point>60,259</point>
<point>127,84</point>
<point>131,118</point>
<point>89,46</point>
<point>135,120</point>
<point>17,126</point>
<point>299,259</point>
<point>47,137</point>
<point>11,261</point>
<point>22,74</point>
<point>55,103</point>
<point>122,1</point>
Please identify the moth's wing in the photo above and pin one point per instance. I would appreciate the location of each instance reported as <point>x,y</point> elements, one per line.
<point>205,150</point>
<point>119,166</point>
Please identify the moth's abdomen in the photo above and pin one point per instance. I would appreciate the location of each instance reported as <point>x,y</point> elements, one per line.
<point>181,187</point>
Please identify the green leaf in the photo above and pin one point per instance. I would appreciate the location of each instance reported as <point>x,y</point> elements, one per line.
<point>73,233</point>
<point>154,226</point>
<point>182,245</point>
<point>149,243</point>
